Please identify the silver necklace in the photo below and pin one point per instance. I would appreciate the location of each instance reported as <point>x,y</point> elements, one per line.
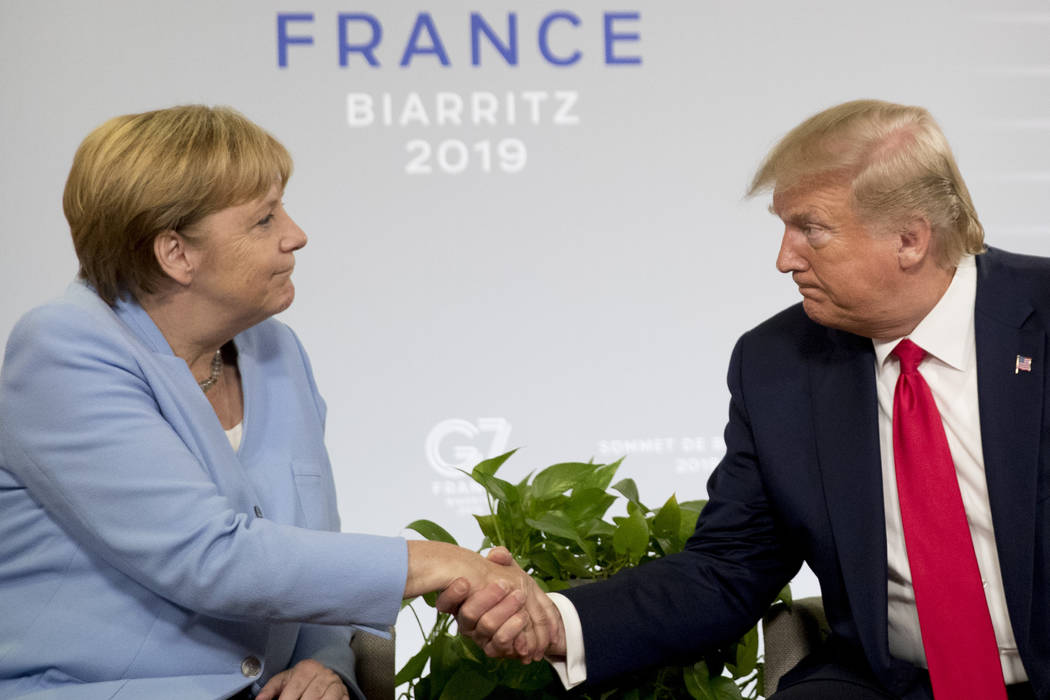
<point>216,372</point>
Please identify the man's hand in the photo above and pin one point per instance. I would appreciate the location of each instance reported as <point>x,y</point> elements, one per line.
<point>307,680</point>
<point>499,619</point>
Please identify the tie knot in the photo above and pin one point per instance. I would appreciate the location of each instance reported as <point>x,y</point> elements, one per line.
<point>909,354</point>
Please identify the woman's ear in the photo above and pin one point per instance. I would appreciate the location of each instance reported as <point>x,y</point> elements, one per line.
<point>173,256</point>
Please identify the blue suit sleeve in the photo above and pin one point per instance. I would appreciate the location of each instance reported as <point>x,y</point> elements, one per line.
<point>680,607</point>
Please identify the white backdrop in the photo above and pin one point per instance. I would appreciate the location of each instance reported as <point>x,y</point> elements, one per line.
<point>540,242</point>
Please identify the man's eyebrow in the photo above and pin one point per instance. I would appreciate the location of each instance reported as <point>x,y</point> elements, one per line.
<point>790,216</point>
<point>808,215</point>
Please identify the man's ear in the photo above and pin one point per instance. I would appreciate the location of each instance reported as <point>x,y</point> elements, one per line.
<point>915,243</point>
<point>173,256</point>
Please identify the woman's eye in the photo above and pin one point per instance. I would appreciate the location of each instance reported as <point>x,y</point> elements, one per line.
<point>266,220</point>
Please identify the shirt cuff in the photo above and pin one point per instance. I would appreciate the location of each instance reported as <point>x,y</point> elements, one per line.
<point>572,670</point>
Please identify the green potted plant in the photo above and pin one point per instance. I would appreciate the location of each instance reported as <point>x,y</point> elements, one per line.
<point>554,523</point>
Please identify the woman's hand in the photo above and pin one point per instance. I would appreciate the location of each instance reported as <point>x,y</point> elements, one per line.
<point>307,680</point>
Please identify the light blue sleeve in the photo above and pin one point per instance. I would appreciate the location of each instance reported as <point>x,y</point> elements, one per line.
<point>94,426</point>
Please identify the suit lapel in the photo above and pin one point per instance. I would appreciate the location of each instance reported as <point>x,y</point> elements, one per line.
<point>186,408</point>
<point>1011,403</point>
<point>845,411</point>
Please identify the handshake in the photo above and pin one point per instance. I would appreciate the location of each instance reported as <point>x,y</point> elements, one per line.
<point>494,602</point>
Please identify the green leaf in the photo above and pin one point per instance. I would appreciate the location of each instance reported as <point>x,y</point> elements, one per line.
<point>559,478</point>
<point>489,466</point>
<point>629,489</point>
<point>554,523</point>
<point>524,677</point>
<point>667,545</point>
<point>545,564</point>
<point>444,661</point>
<point>598,527</point>
<point>467,683</point>
<point>421,690</point>
<point>498,488</point>
<point>570,562</point>
<point>697,682</point>
<point>725,689</point>
<point>690,511</point>
<point>413,667</point>
<point>695,506</point>
<point>667,521</point>
<point>468,649</point>
<point>632,536</point>
<point>588,503</point>
<point>785,595</point>
<point>487,523</point>
<point>601,477</point>
<point>432,531</point>
<point>746,654</point>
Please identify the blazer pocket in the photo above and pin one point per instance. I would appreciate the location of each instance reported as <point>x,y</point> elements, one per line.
<point>316,500</point>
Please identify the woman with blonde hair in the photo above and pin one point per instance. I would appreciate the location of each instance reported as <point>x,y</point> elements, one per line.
<point>168,522</point>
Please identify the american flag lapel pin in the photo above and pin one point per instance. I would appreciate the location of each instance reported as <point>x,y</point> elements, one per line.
<point>1022,364</point>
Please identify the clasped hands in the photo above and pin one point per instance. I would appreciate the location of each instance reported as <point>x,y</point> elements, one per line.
<point>506,621</point>
<point>495,602</point>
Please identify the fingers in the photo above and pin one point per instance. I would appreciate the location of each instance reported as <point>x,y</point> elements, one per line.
<point>505,630</point>
<point>545,616</point>
<point>501,555</point>
<point>493,604</point>
<point>273,687</point>
<point>541,613</point>
<point>493,617</point>
<point>307,680</point>
<point>503,633</point>
<point>452,597</point>
<point>498,627</point>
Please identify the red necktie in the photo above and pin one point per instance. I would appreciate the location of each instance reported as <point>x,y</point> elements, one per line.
<point>957,633</point>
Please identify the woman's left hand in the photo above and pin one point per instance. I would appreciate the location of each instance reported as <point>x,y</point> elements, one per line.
<point>307,680</point>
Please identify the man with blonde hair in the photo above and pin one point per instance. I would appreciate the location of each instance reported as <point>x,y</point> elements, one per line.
<point>887,431</point>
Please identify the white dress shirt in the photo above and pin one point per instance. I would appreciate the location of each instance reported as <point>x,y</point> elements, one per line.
<point>950,369</point>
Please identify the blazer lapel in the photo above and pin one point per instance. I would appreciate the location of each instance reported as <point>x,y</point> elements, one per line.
<point>187,409</point>
<point>845,411</point>
<point>846,423</point>
<point>1011,400</point>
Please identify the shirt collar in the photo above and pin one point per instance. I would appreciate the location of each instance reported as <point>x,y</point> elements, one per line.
<point>947,331</point>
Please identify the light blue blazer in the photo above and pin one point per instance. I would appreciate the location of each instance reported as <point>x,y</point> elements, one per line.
<point>140,556</point>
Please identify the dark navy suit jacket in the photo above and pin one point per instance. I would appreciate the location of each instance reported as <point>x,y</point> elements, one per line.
<point>801,482</point>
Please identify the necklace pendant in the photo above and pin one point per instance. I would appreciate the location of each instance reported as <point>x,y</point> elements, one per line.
<point>216,372</point>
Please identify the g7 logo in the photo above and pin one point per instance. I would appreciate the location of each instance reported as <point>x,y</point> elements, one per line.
<point>467,450</point>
